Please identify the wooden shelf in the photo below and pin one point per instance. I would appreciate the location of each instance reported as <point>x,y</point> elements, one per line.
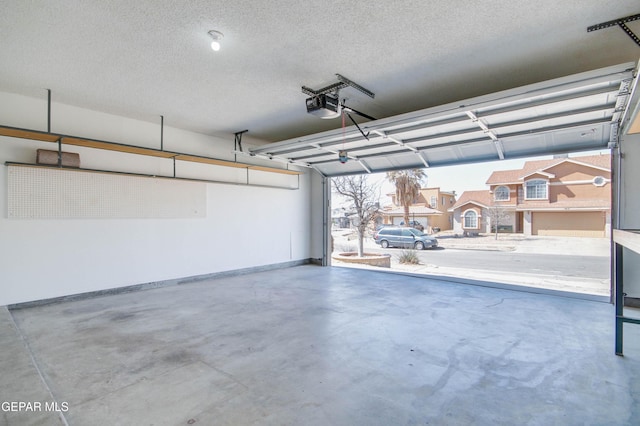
<point>269,169</point>
<point>628,239</point>
<point>132,149</point>
<point>108,146</point>
<point>28,134</point>
<point>213,161</point>
<point>144,175</point>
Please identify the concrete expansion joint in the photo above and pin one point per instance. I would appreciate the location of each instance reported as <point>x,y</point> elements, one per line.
<point>27,347</point>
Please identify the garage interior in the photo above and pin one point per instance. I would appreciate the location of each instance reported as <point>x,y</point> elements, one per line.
<point>169,265</point>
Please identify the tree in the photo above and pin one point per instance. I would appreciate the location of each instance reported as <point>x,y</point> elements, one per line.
<point>408,184</point>
<point>365,198</point>
<point>497,215</point>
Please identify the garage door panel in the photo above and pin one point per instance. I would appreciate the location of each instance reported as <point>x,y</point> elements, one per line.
<point>569,224</point>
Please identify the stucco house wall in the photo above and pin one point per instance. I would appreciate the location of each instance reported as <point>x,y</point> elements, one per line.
<point>431,209</point>
<point>577,201</point>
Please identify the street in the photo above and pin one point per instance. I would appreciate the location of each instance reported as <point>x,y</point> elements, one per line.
<point>596,267</point>
<point>578,265</point>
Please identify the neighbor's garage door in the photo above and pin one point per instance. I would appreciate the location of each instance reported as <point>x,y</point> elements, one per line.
<point>583,224</point>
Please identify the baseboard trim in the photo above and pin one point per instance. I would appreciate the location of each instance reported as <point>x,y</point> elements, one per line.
<point>632,302</point>
<point>159,284</point>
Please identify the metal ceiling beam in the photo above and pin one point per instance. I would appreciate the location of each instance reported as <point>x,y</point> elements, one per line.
<point>356,86</point>
<point>482,125</point>
<point>621,22</point>
<point>385,136</point>
<point>489,133</point>
<point>342,83</point>
<point>499,149</point>
<point>332,88</point>
<point>423,158</point>
<point>332,151</point>
<point>364,165</point>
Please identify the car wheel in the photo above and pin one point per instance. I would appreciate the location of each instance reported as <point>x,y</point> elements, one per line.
<point>419,245</point>
<point>384,243</point>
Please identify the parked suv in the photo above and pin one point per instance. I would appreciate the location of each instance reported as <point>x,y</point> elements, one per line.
<point>405,238</point>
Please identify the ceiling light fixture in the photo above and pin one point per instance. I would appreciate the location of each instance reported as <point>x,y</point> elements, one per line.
<point>216,36</point>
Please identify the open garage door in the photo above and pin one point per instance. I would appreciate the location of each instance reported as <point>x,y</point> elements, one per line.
<point>575,114</point>
<point>571,114</point>
<point>562,224</point>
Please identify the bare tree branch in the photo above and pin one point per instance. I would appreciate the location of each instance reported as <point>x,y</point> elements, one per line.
<point>365,198</point>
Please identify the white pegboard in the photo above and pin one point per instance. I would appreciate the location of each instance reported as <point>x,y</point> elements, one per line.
<point>48,193</point>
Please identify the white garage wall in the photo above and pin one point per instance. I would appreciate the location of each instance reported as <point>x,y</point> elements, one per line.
<point>630,208</point>
<point>245,226</point>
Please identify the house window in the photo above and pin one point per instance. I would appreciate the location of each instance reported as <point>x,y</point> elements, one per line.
<point>536,189</point>
<point>501,193</point>
<point>444,201</point>
<point>471,219</point>
<point>434,202</point>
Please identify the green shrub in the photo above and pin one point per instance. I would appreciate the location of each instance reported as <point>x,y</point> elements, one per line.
<point>347,248</point>
<point>408,257</point>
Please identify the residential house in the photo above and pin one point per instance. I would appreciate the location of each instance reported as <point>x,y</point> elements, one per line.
<point>560,196</point>
<point>340,217</point>
<point>431,209</point>
<point>441,201</point>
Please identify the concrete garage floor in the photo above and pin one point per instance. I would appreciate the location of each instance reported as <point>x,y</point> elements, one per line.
<point>320,346</point>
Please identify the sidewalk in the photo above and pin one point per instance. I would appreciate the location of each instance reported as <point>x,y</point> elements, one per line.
<point>527,244</point>
<point>551,282</point>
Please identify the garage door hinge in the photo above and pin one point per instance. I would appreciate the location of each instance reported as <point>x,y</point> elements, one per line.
<point>613,136</point>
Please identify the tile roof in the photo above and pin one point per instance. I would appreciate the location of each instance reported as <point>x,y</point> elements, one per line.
<point>423,210</point>
<point>482,197</point>
<point>512,176</point>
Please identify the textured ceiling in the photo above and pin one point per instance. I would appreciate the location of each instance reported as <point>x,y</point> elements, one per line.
<point>147,58</point>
